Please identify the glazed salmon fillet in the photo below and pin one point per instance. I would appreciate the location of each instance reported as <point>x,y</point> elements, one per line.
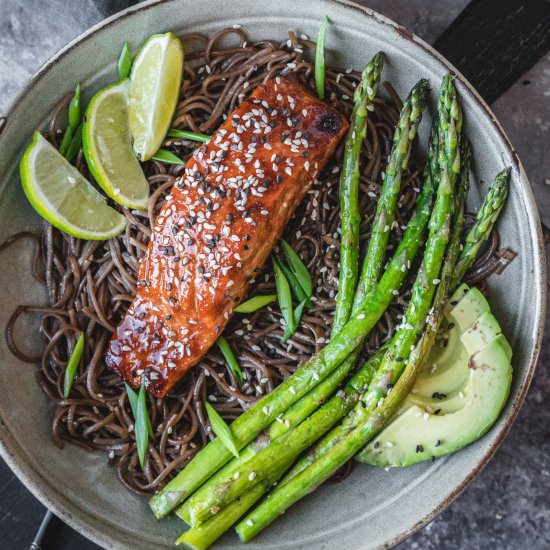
<point>217,228</point>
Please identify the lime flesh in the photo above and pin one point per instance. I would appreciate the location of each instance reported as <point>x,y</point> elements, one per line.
<point>63,196</point>
<point>154,91</point>
<point>107,145</point>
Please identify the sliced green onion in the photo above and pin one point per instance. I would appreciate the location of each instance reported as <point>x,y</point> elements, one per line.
<point>74,146</point>
<point>124,62</point>
<point>142,425</point>
<point>258,302</point>
<point>297,290</point>
<point>133,399</point>
<point>230,359</point>
<point>298,268</point>
<point>298,312</point>
<point>72,365</point>
<point>320,60</point>
<point>66,141</point>
<point>74,109</point>
<point>285,299</point>
<point>191,136</point>
<point>163,155</point>
<point>221,429</point>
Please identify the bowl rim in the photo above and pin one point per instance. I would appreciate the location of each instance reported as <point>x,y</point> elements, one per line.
<point>71,513</point>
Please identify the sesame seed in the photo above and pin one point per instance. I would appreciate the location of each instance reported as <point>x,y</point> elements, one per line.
<point>251,476</point>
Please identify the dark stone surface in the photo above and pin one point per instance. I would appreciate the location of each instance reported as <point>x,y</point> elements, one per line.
<point>508,505</point>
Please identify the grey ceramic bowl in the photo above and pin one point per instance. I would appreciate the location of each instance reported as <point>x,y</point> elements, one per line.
<point>374,508</point>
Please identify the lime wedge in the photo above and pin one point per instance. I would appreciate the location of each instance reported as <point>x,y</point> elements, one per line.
<point>107,146</point>
<point>154,91</point>
<point>63,196</point>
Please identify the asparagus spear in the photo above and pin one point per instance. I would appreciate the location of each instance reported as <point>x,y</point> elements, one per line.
<point>365,420</point>
<point>450,124</point>
<point>485,220</point>
<point>405,132</point>
<point>407,333</point>
<point>349,190</point>
<point>286,494</point>
<point>213,496</point>
<point>247,426</point>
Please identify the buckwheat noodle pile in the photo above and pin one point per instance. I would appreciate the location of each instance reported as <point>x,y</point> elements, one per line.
<point>90,284</point>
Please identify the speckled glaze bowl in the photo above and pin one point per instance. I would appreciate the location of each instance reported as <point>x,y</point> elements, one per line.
<point>374,508</point>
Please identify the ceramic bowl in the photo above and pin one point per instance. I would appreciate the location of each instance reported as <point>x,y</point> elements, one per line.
<point>373,509</point>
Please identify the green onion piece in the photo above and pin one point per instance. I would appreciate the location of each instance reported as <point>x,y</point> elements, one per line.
<point>74,109</point>
<point>297,290</point>
<point>133,399</point>
<point>163,155</point>
<point>285,299</point>
<point>221,429</point>
<point>256,303</point>
<point>230,359</point>
<point>191,136</point>
<point>72,365</point>
<point>66,141</point>
<point>124,62</point>
<point>298,268</point>
<point>298,313</point>
<point>75,144</point>
<point>320,60</point>
<point>141,425</point>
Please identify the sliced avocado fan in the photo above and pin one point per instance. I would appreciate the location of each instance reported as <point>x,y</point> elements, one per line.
<point>458,395</point>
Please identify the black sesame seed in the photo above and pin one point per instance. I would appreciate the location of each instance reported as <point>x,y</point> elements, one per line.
<point>201,269</point>
<point>247,237</point>
<point>454,302</point>
<point>437,411</point>
<point>399,359</point>
<point>133,373</point>
<point>229,217</point>
<point>141,316</point>
<point>438,395</point>
<point>245,247</point>
<point>450,326</point>
<point>169,286</point>
<point>438,443</point>
<point>168,317</point>
<point>419,449</point>
<point>140,330</point>
<point>305,154</point>
<point>376,445</point>
<point>279,179</point>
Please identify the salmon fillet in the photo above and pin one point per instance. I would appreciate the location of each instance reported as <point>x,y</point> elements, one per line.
<point>218,226</point>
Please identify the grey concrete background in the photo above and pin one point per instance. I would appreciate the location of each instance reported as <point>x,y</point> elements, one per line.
<point>508,505</point>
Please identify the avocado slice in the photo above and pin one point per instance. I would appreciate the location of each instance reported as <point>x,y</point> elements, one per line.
<point>446,370</point>
<point>464,414</point>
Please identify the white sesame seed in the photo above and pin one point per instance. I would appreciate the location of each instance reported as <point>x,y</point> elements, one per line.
<point>251,476</point>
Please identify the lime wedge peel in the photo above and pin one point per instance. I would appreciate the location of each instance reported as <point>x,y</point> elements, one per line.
<point>107,146</point>
<point>63,196</point>
<point>154,91</point>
